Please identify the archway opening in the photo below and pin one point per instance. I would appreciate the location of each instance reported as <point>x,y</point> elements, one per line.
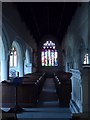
<point>13,57</point>
<point>13,62</point>
<point>16,66</point>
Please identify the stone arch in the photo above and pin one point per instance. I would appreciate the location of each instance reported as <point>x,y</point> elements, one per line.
<point>6,39</point>
<point>20,58</point>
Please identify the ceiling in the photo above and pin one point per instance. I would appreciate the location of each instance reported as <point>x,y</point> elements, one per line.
<point>47,18</point>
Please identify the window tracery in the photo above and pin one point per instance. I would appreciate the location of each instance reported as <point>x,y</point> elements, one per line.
<point>49,54</point>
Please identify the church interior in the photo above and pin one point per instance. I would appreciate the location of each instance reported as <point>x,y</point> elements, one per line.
<point>44,60</point>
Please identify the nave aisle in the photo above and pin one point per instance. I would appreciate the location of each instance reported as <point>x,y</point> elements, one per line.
<point>48,106</point>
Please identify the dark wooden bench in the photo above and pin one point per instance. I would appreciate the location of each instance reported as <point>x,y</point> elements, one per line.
<point>63,87</point>
<point>28,91</point>
<point>8,95</point>
<point>27,94</point>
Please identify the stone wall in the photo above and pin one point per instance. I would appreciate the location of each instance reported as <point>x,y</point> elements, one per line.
<point>76,91</point>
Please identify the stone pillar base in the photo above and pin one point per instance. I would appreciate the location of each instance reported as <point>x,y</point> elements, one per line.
<point>73,107</point>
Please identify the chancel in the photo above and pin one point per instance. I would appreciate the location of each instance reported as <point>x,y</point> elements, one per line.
<point>45,60</point>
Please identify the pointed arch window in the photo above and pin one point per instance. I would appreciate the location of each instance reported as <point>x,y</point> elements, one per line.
<point>49,54</point>
<point>13,57</point>
<point>86,59</point>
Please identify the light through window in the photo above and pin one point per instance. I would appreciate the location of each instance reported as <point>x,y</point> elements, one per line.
<point>49,54</point>
<point>13,57</point>
<point>86,59</point>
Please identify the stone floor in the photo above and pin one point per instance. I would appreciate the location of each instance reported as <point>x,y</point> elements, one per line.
<point>43,113</point>
<point>48,106</point>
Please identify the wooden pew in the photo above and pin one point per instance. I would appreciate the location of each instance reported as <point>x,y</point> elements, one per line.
<point>27,92</point>
<point>8,115</point>
<point>39,78</point>
<point>8,95</point>
<point>63,88</point>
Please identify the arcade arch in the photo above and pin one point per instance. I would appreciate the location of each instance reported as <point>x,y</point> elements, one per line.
<point>16,66</point>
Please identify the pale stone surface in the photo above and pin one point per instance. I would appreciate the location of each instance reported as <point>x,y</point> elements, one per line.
<point>76,87</point>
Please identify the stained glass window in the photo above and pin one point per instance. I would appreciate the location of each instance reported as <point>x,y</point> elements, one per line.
<point>13,58</point>
<point>49,54</point>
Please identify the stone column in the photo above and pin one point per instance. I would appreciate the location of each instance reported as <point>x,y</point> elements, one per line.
<point>75,103</point>
<point>4,70</point>
<point>21,67</point>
